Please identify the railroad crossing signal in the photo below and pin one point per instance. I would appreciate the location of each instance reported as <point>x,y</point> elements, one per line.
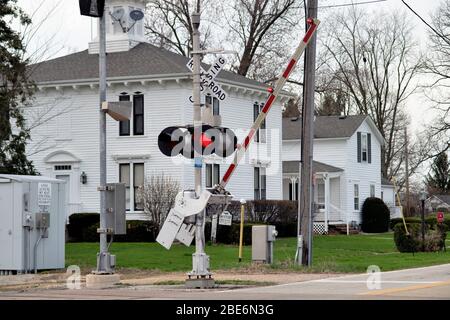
<point>208,85</point>
<point>176,140</point>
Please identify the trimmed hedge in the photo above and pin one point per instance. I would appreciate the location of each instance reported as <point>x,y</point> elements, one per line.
<point>230,234</point>
<point>429,219</point>
<point>79,224</point>
<point>83,228</point>
<point>434,238</point>
<point>375,216</point>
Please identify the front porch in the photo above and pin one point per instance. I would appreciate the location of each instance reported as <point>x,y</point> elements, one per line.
<point>326,191</point>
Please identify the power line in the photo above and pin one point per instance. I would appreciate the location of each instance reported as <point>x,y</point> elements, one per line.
<point>351,4</point>
<point>429,26</point>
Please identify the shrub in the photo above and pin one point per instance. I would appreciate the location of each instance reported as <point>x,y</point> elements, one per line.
<point>83,228</point>
<point>271,211</point>
<point>434,239</point>
<point>230,234</point>
<point>79,223</point>
<point>404,242</point>
<point>395,221</point>
<point>286,230</point>
<point>375,216</point>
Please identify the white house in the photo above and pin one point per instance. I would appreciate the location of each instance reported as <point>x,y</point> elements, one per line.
<point>347,166</point>
<point>65,120</point>
<point>438,202</point>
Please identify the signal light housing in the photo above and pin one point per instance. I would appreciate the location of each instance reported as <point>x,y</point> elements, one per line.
<point>176,140</point>
<point>92,8</point>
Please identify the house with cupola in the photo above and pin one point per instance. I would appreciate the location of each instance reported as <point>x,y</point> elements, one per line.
<point>65,119</point>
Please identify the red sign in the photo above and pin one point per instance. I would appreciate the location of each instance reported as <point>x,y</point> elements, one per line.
<point>440,217</point>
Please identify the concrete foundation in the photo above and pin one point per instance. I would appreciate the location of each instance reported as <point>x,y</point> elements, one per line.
<point>200,283</point>
<point>101,281</point>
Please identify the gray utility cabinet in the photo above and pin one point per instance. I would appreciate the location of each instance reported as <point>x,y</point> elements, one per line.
<point>263,238</point>
<point>32,223</point>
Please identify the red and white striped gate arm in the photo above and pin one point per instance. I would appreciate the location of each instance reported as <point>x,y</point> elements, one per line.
<point>240,152</point>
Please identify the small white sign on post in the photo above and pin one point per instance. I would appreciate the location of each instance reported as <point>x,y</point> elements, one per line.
<point>44,194</point>
<point>225,219</point>
<point>208,85</point>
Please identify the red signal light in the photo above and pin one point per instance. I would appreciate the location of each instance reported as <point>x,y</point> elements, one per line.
<point>205,140</point>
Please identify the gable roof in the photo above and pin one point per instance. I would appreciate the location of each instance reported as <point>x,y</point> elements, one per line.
<point>444,198</point>
<point>143,60</point>
<point>293,166</point>
<point>329,127</point>
<point>324,127</point>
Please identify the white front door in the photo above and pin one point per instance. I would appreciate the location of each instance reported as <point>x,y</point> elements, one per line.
<point>66,178</point>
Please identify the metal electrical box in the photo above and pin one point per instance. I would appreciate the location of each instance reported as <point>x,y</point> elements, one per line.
<point>263,238</point>
<point>116,208</point>
<point>32,223</point>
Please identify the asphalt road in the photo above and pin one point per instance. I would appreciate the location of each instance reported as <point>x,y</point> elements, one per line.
<point>420,283</point>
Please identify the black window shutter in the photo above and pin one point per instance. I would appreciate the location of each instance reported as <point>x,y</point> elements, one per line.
<point>359,146</point>
<point>369,148</point>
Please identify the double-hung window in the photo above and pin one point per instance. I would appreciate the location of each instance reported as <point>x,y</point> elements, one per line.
<point>137,124</point>
<point>132,175</point>
<point>356,196</point>
<point>124,126</point>
<point>364,147</point>
<point>321,196</point>
<point>260,183</point>
<point>214,103</point>
<point>212,175</point>
<point>293,190</point>
<point>260,135</point>
<point>138,114</point>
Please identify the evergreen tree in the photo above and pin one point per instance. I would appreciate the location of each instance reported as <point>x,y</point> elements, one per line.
<point>16,90</point>
<point>439,178</point>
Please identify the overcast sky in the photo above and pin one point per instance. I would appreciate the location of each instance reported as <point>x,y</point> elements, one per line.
<point>72,33</point>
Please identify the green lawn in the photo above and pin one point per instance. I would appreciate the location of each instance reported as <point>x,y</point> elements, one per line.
<point>339,253</point>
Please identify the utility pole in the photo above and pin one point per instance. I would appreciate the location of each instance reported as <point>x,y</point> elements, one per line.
<point>407,171</point>
<point>305,199</point>
<point>200,275</point>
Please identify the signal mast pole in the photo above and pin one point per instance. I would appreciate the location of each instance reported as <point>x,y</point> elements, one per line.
<point>200,275</point>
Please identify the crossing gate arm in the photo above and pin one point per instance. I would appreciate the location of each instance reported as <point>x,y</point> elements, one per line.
<point>242,148</point>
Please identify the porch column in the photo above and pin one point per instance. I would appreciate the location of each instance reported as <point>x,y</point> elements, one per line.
<point>294,195</point>
<point>327,200</point>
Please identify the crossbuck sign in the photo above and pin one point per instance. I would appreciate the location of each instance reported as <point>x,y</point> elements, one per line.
<point>208,85</point>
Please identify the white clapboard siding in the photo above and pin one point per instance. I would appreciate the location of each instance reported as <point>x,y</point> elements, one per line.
<point>342,153</point>
<point>76,132</point>
<point>362,173</point>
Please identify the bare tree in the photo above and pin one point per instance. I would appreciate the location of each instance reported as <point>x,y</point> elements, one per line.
<point>157,196</point>
<point>438,66</point>
<point>261,30</point>
<point>168,25</point>
<point>376,60</point>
